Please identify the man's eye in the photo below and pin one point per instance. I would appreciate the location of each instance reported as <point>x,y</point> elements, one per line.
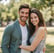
<point>22,12</point>
<point>27,13</point>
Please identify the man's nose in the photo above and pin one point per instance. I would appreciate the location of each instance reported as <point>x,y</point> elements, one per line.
<point>24,14</point>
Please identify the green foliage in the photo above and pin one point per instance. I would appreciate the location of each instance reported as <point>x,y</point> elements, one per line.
<point>42,3</point>
<point>49,48</point>
<point>12,7</point>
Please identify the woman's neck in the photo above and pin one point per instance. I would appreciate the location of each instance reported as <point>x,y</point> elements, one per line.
<point>36,28</point>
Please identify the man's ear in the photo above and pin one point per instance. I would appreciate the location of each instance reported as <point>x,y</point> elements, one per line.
<point>18,12</point>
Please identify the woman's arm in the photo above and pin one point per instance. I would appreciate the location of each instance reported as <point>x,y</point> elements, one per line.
<point>39,36</point>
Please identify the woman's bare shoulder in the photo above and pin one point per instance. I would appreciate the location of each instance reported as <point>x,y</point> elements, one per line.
<point>42,28</point>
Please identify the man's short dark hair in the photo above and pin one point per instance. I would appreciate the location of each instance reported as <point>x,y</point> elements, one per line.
<point>23,6</point>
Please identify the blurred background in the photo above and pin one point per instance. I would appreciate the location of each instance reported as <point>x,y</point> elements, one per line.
<point>9,13</point>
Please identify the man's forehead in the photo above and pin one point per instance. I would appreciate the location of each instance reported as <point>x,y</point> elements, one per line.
<point>24,9</point>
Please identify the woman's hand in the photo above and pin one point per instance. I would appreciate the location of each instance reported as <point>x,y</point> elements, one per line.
<point>20,46</point>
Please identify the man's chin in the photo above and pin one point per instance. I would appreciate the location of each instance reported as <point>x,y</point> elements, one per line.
<point>23,20</point>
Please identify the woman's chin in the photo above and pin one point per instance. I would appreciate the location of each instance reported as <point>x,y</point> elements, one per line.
<point>35,24</point>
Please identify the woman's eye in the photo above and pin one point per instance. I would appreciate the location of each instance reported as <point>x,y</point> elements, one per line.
<point>35,17</point>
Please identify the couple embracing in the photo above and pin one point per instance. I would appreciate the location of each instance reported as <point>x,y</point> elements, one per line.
<point>21,37</point>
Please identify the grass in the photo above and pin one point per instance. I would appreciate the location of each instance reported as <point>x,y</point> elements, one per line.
<point>49,49</point>
<point>50,41</point>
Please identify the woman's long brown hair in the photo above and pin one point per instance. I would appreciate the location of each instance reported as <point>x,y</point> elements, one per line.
<point>41,20</point>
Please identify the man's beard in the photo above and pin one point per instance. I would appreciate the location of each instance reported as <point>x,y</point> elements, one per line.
<point>22,19</point>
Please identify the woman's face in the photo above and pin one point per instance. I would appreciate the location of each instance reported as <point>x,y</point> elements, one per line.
<point>34,19</point>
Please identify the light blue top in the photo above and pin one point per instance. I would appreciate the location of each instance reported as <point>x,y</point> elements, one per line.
<point>41,45</point>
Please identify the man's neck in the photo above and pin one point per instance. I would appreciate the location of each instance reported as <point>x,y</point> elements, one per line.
<point>22,23</point>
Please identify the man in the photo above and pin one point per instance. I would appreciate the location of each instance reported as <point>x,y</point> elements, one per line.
<point>17,33</point>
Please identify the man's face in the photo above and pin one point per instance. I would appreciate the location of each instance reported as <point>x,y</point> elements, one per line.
<point>24,13</point>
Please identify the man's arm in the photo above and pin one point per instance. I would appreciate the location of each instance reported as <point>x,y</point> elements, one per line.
<point>6,39</point>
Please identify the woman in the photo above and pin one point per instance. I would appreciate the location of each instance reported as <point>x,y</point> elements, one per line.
<point>38,31</point>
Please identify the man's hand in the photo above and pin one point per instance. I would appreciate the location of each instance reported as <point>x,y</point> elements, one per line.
<point>44,49</point>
